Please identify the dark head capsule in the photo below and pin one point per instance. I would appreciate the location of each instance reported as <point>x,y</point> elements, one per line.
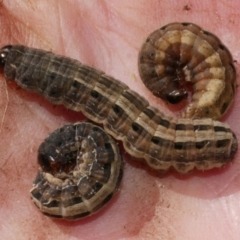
<point>3,54</point>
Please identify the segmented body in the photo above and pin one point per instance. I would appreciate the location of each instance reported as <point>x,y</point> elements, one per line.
<point>81,169</point>
<point>146,133</point>
<point>180,52</point>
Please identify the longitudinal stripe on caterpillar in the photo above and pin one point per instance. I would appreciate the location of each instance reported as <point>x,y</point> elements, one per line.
<point>81,169</point>
<point>183,51</point>
<point>79,180</point>
<point>145,131</point>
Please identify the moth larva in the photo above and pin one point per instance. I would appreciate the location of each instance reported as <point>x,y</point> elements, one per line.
<point>81,169</point>
<point>146,133</point>
<point>183,52</point>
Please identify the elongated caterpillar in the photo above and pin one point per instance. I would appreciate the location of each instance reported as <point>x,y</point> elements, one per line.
<point>145,131</point>
<point>81,167</point>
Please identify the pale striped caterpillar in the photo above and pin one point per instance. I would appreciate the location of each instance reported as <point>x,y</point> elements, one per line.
<point>181,53</point>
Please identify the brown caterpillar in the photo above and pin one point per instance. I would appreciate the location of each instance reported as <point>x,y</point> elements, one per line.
<point>81,169</point>
<point>146,133</point>
<point>74,183</point>
<point>180,52</point>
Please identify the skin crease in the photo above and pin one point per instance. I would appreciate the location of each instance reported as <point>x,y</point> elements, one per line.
<point>108,36</point>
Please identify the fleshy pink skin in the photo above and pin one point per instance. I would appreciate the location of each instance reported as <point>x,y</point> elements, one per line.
<point>108,35</point>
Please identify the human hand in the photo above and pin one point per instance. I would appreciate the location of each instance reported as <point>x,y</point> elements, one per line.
<point>108,36</point>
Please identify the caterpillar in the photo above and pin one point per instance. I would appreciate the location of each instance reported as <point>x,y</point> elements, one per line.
<point>161,141</point>
<point>80,171</point>
<point>181,53</point>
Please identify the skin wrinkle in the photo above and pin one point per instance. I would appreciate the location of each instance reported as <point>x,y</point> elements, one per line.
<point>60,26</point>
<point>18,26</point>
<point>6,107</point>
<point>35,224</point>
<point>107,39</point>
<point>233,180</point>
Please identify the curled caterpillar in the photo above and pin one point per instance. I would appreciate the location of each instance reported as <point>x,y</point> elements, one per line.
<point>181,53</point>
<point>81,169</point>
<point>146,133</point>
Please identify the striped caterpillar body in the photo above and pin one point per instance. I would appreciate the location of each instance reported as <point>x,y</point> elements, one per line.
<point>183,52</point>
<point>81,169</point>
<point>163,142</point>
<point>80,165</point>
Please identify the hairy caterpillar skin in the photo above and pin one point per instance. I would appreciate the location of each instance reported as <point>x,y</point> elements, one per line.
<point>183,52</point>
<point>163,142</point>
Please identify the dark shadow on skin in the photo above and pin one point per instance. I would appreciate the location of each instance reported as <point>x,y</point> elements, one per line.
<point>128,206</point>
<point>71,117</point>
<point>90,218</point>
<point>56,110</point>
<point>175,180</point>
